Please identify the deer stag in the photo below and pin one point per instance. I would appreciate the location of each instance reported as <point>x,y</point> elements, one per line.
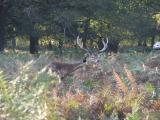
<point>65,69</point>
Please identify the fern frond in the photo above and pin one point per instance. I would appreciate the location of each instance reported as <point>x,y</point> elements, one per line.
<point>134,87</point>
<point>156,105</point>
<point>120,82</point>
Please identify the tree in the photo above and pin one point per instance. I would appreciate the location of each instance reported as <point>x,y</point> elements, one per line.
<point>65,20</point>
<point>5,6</point>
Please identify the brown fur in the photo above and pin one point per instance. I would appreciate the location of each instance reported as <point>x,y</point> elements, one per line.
<point>64,69</point>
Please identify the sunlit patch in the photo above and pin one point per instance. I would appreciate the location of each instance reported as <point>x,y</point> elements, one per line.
<point>94,65</point>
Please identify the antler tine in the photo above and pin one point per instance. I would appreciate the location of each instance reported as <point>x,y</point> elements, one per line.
<point>105,45</point>
<point>80,44</point>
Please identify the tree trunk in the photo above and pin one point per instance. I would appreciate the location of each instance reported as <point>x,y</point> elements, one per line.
<point>152,40</point>
<point>2,26</point>
<point>139,43</point>
<point>86,30</point>
<point>153,33</point>
<point>4,9</point>
<point>2,31</point>
<point>2,38</point>
<point>33,44</point>
<point>60,45</point>
<point>64,34</point>
<point>145,43</point>
<point>13,43</point>
<point>49,46</point>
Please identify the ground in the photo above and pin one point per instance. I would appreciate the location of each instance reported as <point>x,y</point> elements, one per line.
<point>121,86</point>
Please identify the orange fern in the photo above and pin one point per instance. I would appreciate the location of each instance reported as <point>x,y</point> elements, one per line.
<point>156,105</point>
<point>120,83</point>
<point>134,87</point>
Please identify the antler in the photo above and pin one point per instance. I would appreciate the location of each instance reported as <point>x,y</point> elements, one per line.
<point>105,45</point>
<point>80,44</point>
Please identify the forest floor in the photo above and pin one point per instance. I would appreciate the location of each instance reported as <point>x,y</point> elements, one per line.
<point>121,86</point>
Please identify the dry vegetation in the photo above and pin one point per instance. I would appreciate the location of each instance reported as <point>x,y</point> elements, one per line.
<point>123,86</point>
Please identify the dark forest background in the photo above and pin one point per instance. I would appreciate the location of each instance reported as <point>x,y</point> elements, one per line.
<point>37,24</point>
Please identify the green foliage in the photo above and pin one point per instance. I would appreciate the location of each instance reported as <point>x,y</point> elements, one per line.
<point>24,96</point>
<point>134,116</point>
<point>64,20</point>
<point>22,41</point>
<point>30,93</point>
<point>72,104</point>
<point>89,84</point>
<point>149,87</point>
<point>154,116</point>
<point>5,95</point>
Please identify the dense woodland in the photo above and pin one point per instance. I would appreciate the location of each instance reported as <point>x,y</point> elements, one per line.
<point>57,22</point>
<point>79,60</point>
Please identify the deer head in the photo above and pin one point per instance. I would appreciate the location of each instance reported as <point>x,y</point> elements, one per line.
<point>90,55</point>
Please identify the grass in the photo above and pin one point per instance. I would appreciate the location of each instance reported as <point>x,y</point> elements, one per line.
<point>104,92</point>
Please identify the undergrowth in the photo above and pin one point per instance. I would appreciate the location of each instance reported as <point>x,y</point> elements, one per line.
<point>111,91</point>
